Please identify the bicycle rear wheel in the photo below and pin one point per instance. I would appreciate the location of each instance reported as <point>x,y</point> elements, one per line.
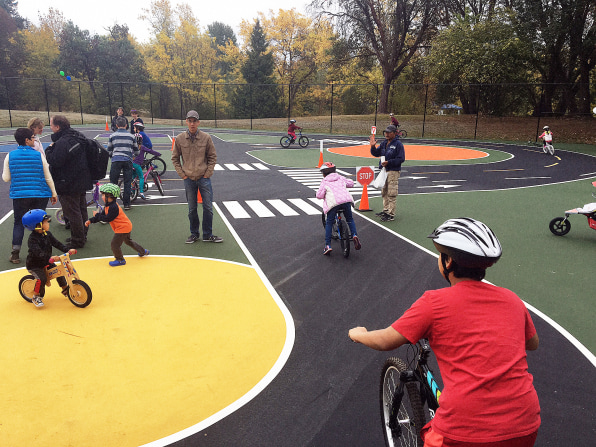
<point>285,141</point>
<point>402,133</point>
<point>157,181</point>
<point>344,237</point>
<point>26,287</point>
<point>158,164</point>
<point>60,217</point>
<point>303,141</point>
<point>410,412</point>
<point>550,149</point>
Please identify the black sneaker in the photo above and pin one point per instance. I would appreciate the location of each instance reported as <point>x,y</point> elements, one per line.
<point>192,239</point>
<point>381,214</point>
<point>387,218</point>
<point>213,238</point>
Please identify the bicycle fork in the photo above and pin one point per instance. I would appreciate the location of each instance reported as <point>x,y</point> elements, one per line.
<point>394,422</point>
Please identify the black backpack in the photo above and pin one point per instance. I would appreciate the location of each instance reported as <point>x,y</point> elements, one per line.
<point>97,159</point>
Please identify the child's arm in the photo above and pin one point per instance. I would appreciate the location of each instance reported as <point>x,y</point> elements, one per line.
<point>321,192</point>
<point>381,340</point>
<point>57,244</point>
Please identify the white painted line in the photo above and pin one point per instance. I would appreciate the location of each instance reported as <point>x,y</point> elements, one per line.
<point>318,202</point>
<point>260,166</point>
<point>304,206</point>
<point>284,209</point>
<point>236,210</point>
<point>524,178</point>
<point>246,166</point>
<point>218,167</point>
<point>231,167</point>
<point>259,209</point>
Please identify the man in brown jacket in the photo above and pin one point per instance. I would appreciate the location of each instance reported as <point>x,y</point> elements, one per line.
<point>194,158</point>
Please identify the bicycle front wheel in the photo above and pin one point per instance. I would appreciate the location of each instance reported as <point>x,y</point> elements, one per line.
<point>550,149</point>
<point>303,141</point>
<point>285,142</point>
<point>158,164</point>
<point>157,181</point>
<point>402,421</point>
<point>79,293</point>
<point>344,238</point>
<point>60,217</point>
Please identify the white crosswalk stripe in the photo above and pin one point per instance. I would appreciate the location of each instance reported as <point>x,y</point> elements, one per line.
<point>241,167</point>
<point>273,208</point>
<point>312,178</point>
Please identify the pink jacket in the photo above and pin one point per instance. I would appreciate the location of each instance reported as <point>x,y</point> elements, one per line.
<point>333,191</point>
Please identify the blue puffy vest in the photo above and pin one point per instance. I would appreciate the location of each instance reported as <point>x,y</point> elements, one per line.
<point>26,174</point>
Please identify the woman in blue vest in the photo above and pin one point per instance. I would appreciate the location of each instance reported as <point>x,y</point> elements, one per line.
<point>31,184</point>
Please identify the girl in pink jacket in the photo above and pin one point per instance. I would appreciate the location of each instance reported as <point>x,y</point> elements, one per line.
<point>333,191</point>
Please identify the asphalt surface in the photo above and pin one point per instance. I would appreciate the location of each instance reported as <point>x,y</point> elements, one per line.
<point>327,393</point>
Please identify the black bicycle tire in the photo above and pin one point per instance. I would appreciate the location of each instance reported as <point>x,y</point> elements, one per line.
<point>134,190</point>
<point>88,294</point>
<point>411,406</point>
<point>344,237</point>
<point>159,164</point>
<point>285,142</point>
<point>402,133</point>
<point>25,280</point>
<point>559,226</point>
<point>303,141</point>
<point>60,217</point>
<point>157,181</point>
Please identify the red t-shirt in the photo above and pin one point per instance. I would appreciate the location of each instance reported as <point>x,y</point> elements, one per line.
<point>478,333</point>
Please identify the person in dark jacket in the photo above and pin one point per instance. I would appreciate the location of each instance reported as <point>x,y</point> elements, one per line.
<point>67,158</point>
<point>392,154</point>
<point>31,184</point>
<point>119,113</point>
<point>40,256</point>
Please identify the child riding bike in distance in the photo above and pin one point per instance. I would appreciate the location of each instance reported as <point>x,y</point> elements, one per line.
<point>335,197</point>
<point>292,130</point>
<point>145,146</point>
<point>40,256</point>
<point>547,136</point>
<point>480,334</point>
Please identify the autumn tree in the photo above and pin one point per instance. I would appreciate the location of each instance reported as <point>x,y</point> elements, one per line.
<point>222,36</point>
<point>390,31</point>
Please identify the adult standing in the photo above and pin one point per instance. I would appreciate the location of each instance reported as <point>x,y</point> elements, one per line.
<point>122,147</point>
<point>36,125</point>
<point>194,159</point>
<point>119,113</point>
<point>67,157</point>
<point>392,154</point>
<point>31,184</point>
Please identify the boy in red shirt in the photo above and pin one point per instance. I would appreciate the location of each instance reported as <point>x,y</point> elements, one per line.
<point>119,222</point>
<point>479,334</point>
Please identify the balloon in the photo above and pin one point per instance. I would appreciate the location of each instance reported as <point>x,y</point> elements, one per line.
<point>61,73</point>
<point>68,78</point>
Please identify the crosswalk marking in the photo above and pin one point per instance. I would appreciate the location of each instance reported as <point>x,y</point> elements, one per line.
<point>246,166</point>
<point>304,206</point>
<point>260,209</point>
<point>284,209</point>
<point>231,167</point>
<point>260,166</point>
<point>241,166</point>
<point>236,210</point>
<point>312,179</point>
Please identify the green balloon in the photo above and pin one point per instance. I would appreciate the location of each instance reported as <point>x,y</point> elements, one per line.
<point>61,73</point>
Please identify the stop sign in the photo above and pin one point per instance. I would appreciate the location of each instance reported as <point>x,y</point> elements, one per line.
<point>365,175</point>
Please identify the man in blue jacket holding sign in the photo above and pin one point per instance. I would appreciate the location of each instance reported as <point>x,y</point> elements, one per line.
<point>392,154</point>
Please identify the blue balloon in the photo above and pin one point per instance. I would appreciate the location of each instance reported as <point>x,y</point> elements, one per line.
<point>68,78</point>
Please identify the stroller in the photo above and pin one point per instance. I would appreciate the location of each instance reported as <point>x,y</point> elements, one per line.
<point>560,226</point>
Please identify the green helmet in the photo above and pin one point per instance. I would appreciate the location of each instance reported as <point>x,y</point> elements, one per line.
<point>110,188</point>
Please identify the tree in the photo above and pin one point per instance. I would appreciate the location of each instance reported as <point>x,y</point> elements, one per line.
<point>257,71</point>
<point>222,36</point>
<point>392,31</point>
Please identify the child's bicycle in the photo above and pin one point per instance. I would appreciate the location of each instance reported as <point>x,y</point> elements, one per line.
<point>409,396</point>
<point>287,140</point>
<point>340,231</point>
<point>401,133</point>
<point>79,292</point>
<point>94,200</point>
<point>547,148</point>
<point>158,164</point>
<point>151,171</point>
<point>560,226</point>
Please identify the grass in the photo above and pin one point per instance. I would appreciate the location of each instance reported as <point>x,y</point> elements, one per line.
<point>569,132</point>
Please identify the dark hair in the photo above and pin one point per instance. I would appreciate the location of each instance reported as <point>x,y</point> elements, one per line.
<point>21,135</point>
<point>61,121</point>
<point>328,171</point>
<point>120,121</point>
<point>459,271</point>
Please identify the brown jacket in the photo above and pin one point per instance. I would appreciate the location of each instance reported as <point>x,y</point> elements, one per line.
<point>194,159</point>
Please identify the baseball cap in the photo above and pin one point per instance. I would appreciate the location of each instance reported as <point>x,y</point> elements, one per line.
<point>192,114</point>
<point>390,128</point>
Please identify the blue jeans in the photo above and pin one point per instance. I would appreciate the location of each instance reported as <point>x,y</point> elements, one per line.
<point>127,173</point>
<point>20,208</point>
<point>192,187</point>
<point>347,209</point>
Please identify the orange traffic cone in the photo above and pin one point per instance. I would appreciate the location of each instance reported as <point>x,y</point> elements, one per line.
<point>364,200</point>
<point>107,128</point>
<point>199,198</point>
<point>173,142</point>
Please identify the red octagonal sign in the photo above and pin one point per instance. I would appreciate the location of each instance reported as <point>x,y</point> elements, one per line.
<point>365,175</point>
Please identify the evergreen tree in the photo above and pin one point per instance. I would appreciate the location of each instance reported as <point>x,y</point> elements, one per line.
<point>261,95</point>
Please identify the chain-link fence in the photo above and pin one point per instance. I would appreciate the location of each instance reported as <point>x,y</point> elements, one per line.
<point>479,111</point>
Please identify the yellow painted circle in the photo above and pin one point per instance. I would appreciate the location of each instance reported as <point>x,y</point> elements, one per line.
<point>165,343</point>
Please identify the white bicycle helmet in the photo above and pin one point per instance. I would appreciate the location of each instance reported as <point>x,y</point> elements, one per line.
<point>468,241</point>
